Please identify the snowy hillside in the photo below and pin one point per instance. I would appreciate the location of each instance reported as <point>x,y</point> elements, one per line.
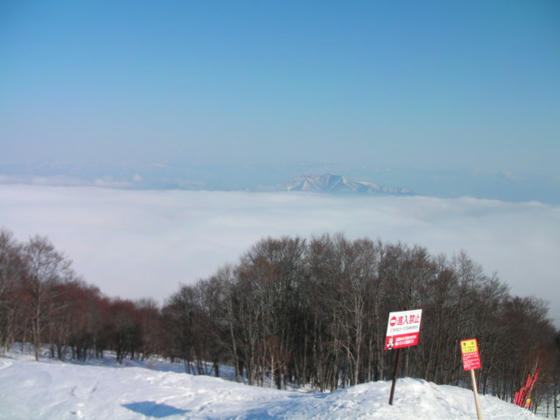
<point>55,390</point>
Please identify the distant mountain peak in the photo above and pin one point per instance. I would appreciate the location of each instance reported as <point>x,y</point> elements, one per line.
<point>330,183</point>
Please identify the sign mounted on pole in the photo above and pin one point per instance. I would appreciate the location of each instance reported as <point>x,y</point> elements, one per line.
<point>403,329</point>
<point>471,361</point>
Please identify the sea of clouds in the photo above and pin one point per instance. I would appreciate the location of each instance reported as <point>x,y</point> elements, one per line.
<point>146,243</point>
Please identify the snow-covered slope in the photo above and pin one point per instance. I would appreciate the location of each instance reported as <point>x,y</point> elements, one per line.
<point>55,390</point>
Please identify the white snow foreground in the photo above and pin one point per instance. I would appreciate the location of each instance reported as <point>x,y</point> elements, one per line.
<point>56,390</point>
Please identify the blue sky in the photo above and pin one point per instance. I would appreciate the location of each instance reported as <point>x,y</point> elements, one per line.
<point>469,89</point>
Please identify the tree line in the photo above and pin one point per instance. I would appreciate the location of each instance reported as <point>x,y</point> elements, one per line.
<point>291,311</point>
<point>42,300</point>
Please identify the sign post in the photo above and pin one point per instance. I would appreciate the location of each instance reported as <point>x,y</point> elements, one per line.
<point>403,330</point>
<point>471,361</point>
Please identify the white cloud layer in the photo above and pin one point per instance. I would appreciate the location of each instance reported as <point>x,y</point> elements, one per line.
<point>136,244</point>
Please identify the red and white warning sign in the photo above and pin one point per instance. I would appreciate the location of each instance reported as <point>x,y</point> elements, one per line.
<point>471,356</point>
<point>403,329</point>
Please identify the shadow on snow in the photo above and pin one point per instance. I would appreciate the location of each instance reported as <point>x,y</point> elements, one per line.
<point>153,409</point>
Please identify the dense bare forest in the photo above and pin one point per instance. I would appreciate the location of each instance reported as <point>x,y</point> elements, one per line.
<point>291,311</point>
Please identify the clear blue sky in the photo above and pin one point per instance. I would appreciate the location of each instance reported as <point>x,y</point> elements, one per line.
<point>448,85</point>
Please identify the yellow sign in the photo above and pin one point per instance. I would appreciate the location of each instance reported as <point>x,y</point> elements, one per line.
<point>469,346</point>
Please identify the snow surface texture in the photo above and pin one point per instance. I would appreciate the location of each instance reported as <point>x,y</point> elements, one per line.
<point>57,390</point>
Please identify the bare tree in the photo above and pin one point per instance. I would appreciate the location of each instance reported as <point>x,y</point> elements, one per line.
<point>45,268</point>
<point>12,271</point>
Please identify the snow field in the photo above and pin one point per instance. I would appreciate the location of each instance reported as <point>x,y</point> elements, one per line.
<point>56,390</point>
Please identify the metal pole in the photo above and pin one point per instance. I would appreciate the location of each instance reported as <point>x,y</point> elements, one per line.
<point>475,390</point>
<point>395,374</point>
<point>555,403</point>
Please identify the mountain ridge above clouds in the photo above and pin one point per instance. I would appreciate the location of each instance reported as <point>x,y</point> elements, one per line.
<point>189,178</point>
<point>330,183</point>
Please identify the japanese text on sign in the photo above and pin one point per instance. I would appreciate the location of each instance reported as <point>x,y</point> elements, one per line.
<point>469,346</point>
<point>471,356</point>
<point>403,329</point>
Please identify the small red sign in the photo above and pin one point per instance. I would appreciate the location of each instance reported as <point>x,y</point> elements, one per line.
<point>471,356</point>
